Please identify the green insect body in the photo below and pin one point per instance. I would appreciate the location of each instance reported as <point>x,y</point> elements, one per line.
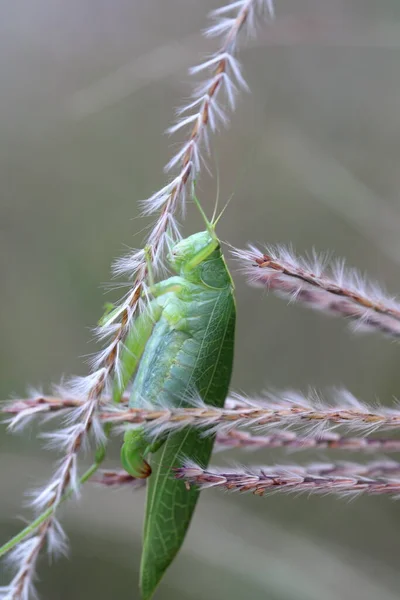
<point>183,345</point>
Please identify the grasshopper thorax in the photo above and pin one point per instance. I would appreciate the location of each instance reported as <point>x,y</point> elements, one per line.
<point>190,252</point>
<point>198,258</point>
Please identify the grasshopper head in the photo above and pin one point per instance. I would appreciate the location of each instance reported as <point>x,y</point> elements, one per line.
<point>187,254</point>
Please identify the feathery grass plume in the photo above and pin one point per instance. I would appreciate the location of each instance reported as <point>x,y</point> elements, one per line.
<point>283,409</point>
<point>334,289</point>
<point>387,469</point>
<point>288,409</point>
<point>207,109</point>
<point>21,411</point>
<point>25,409</point>
<point>223,75</point>
<point>347,479</point>
<point>69,440</point>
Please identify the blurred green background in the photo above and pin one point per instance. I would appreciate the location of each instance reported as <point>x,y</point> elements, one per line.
<point>312,158</point>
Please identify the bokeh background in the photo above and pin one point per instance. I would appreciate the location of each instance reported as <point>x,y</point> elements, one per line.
<point>312,158</point>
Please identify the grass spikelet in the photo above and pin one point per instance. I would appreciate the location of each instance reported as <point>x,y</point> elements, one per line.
<point>334,289</point>
<point>343,480</point>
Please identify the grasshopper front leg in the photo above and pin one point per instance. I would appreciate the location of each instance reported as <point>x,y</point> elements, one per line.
<point>133,452</point>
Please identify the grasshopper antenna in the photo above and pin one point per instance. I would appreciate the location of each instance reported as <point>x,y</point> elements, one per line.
<point>217,197</point>
<point>209,224</point>
<point>222,211</point>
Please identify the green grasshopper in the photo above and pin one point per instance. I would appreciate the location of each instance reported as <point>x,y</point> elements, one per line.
<point>183,343</point>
